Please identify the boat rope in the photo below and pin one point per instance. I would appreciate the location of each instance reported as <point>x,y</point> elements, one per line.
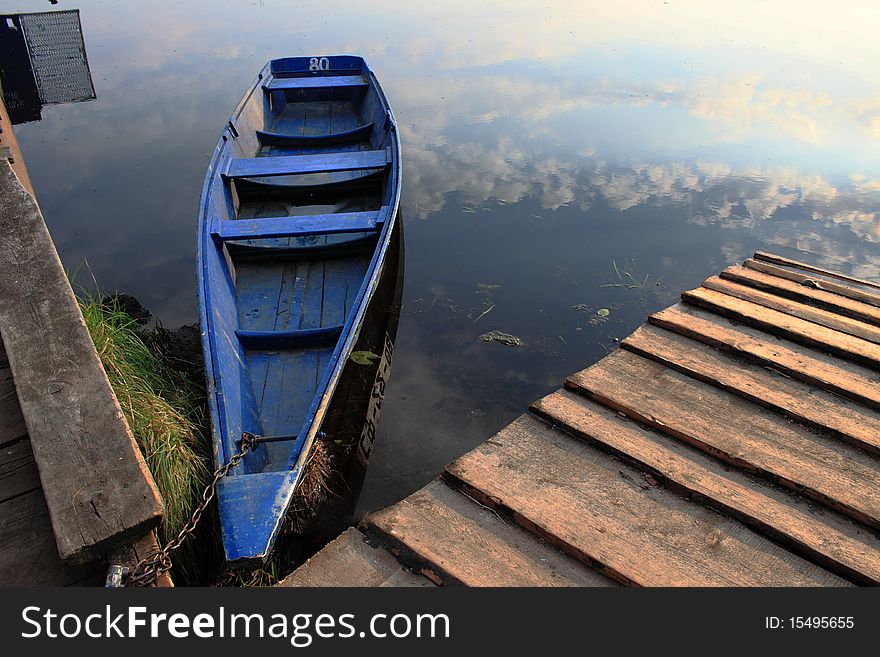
<point>159,561</point>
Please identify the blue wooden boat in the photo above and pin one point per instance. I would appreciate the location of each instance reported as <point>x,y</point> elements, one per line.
<point>297,214</point>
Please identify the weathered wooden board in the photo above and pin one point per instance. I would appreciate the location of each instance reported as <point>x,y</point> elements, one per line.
<point>785,262</point>
<point>456,541</point>
<point>819,316</point>
<point>813,296</point>
<point>815,282</point>
<point>604,512</point>
<point>18,472</point>
<point>349,560</point>
<point>12,427</point>
<point>28,556</point>
<point>736,431</point>
<point>98,489</point>
<point>781,323</point>
<point>845,419</point>
<point>832,539</point>
<point>803,363</point>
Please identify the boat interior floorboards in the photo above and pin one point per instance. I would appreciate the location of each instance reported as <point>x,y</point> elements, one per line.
<point>293,293</point>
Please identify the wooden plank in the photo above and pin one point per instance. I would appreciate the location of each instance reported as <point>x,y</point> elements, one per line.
<point>736,431</point>
<point>290,165</point>
<point>333,81</point>
<point>816,315</point>
<point>296,339</point>
<point>780,323</point>
<point>97,486</point>
<point>785,262</point>
<point>279,227</point>
<point>845,419</point>
<point>809,295</point>
<point>348,560</point>
<point>18,471</point>
<point>831,539</point>
<point>12,427</point>
<point>456,541</point>
<point>317,118</point>
<point>816,283</point>
<point>803,363</point>
<point>28,556</point>
<point>344,120</point>
<point>355,134</point>
<point>603,512</point>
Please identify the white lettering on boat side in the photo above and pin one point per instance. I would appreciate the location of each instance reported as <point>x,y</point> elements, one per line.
<point>316,64</point>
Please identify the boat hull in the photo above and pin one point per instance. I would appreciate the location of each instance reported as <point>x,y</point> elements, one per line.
<point>298,211</point>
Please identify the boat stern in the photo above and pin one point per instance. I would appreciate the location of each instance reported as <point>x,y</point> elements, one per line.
<point>252,510</point>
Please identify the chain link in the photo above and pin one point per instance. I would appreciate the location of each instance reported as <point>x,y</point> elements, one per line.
<point>148,570</point>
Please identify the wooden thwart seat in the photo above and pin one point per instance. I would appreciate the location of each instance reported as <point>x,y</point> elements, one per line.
<point>316,82</point>
<point>280,227</point>
<point>289,339</point>
<point>346,137</point>
<point>294,165</point>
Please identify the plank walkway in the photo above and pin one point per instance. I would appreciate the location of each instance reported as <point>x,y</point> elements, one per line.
<point>733,440</point>
<point>74,489</point>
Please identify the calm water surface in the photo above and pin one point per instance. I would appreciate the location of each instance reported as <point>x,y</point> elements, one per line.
<point>559,158</point>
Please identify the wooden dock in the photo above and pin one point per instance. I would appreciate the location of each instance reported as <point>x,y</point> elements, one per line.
<point>74,489</point>
<point>733,440</point>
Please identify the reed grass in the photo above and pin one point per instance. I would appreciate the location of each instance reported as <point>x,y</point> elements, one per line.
<point>165,412</point>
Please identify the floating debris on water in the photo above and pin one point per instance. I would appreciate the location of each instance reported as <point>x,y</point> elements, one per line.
<point>629,279</point>
<point>597,316</point>
<point>484,290</point>
<point>483,314</point>
<point>364,357</point>
<point>503,338</point>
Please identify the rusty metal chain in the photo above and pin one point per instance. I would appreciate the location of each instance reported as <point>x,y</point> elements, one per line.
<point>148,570</point>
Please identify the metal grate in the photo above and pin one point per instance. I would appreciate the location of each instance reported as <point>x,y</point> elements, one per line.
<point>58,56</point>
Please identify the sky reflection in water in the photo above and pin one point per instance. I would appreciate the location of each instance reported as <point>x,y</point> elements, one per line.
<point>543,146</point>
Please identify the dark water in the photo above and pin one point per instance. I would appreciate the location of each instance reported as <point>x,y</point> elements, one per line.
<point>557,161</point>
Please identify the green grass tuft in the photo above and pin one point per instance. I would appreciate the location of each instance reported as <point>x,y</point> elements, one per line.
<point>165,412</point>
